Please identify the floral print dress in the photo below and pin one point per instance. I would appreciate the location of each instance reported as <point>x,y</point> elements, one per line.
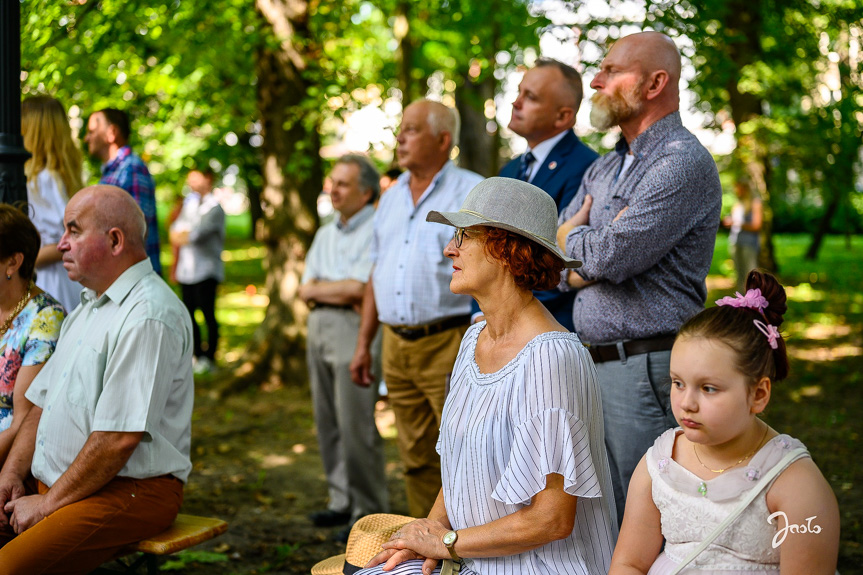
<point>30,340</point>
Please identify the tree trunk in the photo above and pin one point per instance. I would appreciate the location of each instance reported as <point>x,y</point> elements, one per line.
<point>292,174</point>
<point>822,229</point>
<point>743,25</point>
<point>478,150</point>
<point>404,52</point>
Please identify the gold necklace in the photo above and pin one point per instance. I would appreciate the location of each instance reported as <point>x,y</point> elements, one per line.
<point>8,323</point>
<point>738,462</point>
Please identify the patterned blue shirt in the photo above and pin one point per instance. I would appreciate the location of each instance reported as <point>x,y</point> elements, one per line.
<point>411,275</point>
<point>649,266</point>
<point>129,172</point>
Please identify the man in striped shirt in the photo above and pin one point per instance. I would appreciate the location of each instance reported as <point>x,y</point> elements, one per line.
<point>107,138</point>
<point>408,292</point>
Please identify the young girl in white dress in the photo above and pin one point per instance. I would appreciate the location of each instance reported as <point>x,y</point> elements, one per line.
<point>723,365</point>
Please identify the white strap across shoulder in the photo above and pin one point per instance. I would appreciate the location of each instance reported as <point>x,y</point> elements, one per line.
<point>789,458</point>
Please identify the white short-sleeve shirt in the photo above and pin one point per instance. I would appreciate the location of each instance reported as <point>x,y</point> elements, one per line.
<point>123,363</point>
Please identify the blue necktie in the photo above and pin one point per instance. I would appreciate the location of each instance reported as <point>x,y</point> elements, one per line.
<point>524,167</point>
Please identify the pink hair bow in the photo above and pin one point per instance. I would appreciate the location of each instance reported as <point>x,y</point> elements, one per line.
<point>770,331</point>
<point>753,300</point>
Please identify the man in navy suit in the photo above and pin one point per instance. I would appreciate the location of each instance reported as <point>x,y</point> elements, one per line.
<point>544,114</point>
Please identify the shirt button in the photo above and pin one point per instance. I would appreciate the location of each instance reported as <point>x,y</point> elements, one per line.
<point>398,293</point>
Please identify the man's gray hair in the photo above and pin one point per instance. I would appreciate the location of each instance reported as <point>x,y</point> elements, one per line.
<point>370,178</point>
<point>570,75</point>
<point>443,118</point>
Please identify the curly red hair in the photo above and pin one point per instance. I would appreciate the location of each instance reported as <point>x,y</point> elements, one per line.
<point>533,266</point>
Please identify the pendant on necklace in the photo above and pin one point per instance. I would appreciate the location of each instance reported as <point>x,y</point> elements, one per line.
<point>702,489</point>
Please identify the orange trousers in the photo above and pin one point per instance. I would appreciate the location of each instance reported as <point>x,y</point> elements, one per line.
<point>80,537</point>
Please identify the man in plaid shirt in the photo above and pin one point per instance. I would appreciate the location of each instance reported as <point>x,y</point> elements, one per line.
<point>107,139</point>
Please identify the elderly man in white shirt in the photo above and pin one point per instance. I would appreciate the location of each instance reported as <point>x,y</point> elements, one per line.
<point>337,269</point>
<point>409,293</point>
<point>109,435</point>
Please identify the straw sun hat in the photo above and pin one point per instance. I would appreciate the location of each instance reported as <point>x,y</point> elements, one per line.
<point>511,205</point>
<point>364,542</point>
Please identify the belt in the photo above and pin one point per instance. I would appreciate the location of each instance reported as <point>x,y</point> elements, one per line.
<point>609,352</point>
<point>319,305</point>
<point>414,332</point>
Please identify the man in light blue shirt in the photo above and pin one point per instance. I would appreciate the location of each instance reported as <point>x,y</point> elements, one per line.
<point>409,293</point>
<point>337,269</point>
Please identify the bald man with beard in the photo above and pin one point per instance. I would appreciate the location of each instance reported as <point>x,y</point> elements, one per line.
<point>101,459</point>
<point>644,223</point>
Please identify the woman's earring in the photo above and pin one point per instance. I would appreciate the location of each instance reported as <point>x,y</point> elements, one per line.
<point>8,277</point>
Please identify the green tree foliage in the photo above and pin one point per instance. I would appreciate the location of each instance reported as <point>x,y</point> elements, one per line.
<point>789,74</point>
<point>247,87</point>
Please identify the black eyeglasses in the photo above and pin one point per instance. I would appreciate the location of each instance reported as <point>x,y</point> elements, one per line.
<point>458,237</point>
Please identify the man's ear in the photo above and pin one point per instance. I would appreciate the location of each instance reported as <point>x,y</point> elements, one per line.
<point>656,83</point>
<point>112,134</point>
<point>445,140</point>
<point>118,241</point>
<point>565,117</point>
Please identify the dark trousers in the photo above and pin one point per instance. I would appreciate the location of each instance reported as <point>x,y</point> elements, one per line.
<point>202,296</point>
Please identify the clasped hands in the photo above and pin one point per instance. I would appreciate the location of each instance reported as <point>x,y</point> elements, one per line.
<point>20,511</point>
<point>420,539</point>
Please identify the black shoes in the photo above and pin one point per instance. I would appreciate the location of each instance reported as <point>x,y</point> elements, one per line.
<point>341,536</point>
<point>329,518</point>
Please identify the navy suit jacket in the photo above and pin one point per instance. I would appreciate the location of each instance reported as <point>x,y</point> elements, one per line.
<point>560,176</point>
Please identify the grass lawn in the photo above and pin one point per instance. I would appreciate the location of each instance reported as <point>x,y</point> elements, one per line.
<point>820,403</point>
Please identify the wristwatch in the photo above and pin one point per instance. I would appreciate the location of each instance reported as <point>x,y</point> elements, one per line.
<point>449,539</point>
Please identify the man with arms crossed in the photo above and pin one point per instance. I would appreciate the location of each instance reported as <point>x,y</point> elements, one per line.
<point>109,434</point>
<point>409,293</point>
<point>644,223</point>
<point>334,280</point>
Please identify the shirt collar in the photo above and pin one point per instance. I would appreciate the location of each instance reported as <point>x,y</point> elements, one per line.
<point>649,138</point>
<point>121,287</point>
<point>544,148</point>
<point>122,154</point>
<point>406,178</point>
<point>356,220</point>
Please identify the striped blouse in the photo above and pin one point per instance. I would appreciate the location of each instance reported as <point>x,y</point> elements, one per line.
<point>503,432</point>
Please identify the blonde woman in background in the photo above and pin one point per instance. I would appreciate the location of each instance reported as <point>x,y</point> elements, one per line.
<point>53,176</point>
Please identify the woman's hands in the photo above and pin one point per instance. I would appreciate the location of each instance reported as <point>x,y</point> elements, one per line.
<point>420,539</point>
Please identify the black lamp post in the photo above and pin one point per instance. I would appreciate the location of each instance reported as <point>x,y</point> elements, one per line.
<point>13,184</point>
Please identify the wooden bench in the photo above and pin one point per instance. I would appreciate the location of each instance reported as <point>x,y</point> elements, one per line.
<point>187,531</point>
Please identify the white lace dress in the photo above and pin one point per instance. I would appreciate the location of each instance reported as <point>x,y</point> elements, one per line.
<point>691,509</point>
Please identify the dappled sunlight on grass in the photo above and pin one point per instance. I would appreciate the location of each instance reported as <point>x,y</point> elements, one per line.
<point>804,292</point>
<point>832,353</point>
<point>808,391</point>
<point>823,331</point>
<point>243,254</point>
<point>717,282</point>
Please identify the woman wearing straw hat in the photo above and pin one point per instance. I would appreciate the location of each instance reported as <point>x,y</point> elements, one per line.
<point>526,484</point>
